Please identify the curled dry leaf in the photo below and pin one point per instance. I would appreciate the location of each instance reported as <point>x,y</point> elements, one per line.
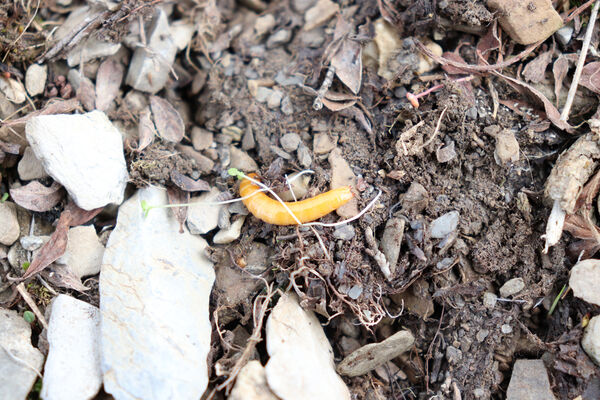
<point>61,275</point>
<point>347,62</point>
<point>146,129</point>
<point>187,184</point>
<point>36,197</point>
<point>454,56</point>
<point>108,81</point>
<point>335,101</point>
<point>489,42</point>
<point>590,76</point>
<point>80,216</point>
<point>178,196</point>
<point>54,106</point>
<point>559,70</point>
<point>535,70</point>
<point>169,123</point>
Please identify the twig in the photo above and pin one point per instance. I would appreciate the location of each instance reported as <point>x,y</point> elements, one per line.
<point>377,255</point>
<point>37,7</point>
<point>25,295</point>
<point>564,116</point>
<point>437,128</point>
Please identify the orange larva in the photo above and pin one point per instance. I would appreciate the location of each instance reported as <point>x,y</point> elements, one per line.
<point>273,212</point>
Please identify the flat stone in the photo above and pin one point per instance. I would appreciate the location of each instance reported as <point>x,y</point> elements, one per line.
<point>32,243</point>
<point>323,143</point>
<point>149,68</point>
<point>84,152</point>
<point>203,218</point>
<point>84,251</point>
<point>391,241</point>
<point>304,157</point>
<point>35,79</point>
<point>584,280</point>
<point>9,223</point>
<point>529,381</point>
<point>13,90</point>
<point>512,287</point>
<point>154,292</point>
<point>230,234</point>
<point>372,355</point>
<point>251,384</point>
<point>16,379</point>
<point>319,14</point>
<point>527,22</point>
<point>201,138</point>
<point>564,35</point>
<point>241,160</point>
<point>342,175</point>
<point>72,370</point>
<point>203,163</point>
<point>444,225</point>
<point>300,354</point>
<point>264,24</point>
<point>344,232</point>
<point>90,49</point>
<point>591,339</point>
<point>489,300</point>
<point>29,167</point>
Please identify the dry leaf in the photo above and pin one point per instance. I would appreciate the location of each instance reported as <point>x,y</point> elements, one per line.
<point>559,70</point>
<point>489,42</point>
<point>79,216</point>
<point>338,101</point>
<point>551,111</point>
<point>187,184</point>
<point>54,106</point>
<point>61,275</point>
<point>359,116</point>
<point>86,93</point>
<point>177,196</point>
<point>347,62</point>
<point>168,122</point>
<point>590,76</point>
<point>535,70</point>
<point>36,197</point>
<point>146,130</point>
<point>53,249</point>
<point>108,81</point>
<point>454,56</point>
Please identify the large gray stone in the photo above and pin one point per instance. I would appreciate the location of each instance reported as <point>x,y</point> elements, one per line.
<point>72,370</point>
<point>301,365</point>
<point>84,152</point>
<point>16,378</point>
<point>529,381</point>
<point>154,289</point>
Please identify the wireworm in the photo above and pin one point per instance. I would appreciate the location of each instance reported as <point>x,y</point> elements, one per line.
<point>273,212</point>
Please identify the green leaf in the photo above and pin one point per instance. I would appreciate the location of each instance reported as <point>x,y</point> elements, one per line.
<point>29,317</point>
<point>4,197</point>
<point>26,265</point>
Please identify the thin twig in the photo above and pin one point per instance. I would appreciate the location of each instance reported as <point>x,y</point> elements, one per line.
<point>564,116</point>
<point>25,295</point>
<point>437,128</point>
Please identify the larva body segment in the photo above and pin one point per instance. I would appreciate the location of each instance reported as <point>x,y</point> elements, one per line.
<point>273,212</point>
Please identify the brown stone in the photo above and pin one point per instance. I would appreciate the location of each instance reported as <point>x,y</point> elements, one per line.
<point>528,21</point>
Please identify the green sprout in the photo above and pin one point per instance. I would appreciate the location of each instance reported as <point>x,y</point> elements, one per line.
<point>4,197</point>
<point>556,300</point>
<point>25,265</point>
<point>236,173</point>
<point>29,317</point>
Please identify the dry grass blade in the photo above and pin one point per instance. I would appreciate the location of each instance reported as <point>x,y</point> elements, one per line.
<point>169,123</point>
<point>36,197</point>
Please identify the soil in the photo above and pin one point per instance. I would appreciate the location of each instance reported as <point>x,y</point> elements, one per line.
<point>502,210</point>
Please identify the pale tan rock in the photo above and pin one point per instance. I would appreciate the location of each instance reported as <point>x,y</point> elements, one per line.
<point>319,14</point>
<point>9,224</point>
<point>527,22</point>
<point>426,64</point>
<point>388,42</point>
<point>584,280</point>
<point>591,339</point>
<point>342,175</point>
<point>507,147</point>
<point>251,384</point>
<point>323,143</point>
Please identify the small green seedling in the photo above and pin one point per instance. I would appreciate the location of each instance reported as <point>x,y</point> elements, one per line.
<point>29,317</point>
<point>4,198</point>
<point>25,265</point>
<point>557,299</point>
<point>236,173</point>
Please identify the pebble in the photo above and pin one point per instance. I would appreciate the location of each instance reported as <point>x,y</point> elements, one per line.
<point>72,370</point>
<point>299,353</point>
<point>204,164</point>
<point>489,300</point>
<point>444,225</point>
<point>529,380</point>
<point>453,355</point>
<point>304,157</point>
<point>264,24</point>
<point>591,339</point>
<point>230,234</point>
<point>481,335</point>
<point>201,138</point>
<point>241,160</point>
<point>391,241</point>
<point>585,280</point>
<point>512,287</point>
<point>344,232</point>
<point>415,199</point>
<point>257,260</point>
<point>342,175</point>
<point>274,100</point>
<point>299,187</point>
<point>251,384</point>
<point>416,299</point>
<point>290,141</point>
<point>13,90</point>
<point>203,218</point>
<point>90,49</point>
<point>372,355</point>
<point>262,94</point>
<point>446,154</point>
<point>9,223</point>
<point>280,153</point>
<point>319,14</point>
<point>507,148</point>
<point>323,143</point>
<point>29,167</point>
<point>33,243</point>
<point>302,5</point>
<point>146,73</point>
<point>84,251</point>
<point>16,379</point>
<point>564,35</point>
<point>286,105</point>
<point>387,41</point>
<point>181,32</point>
<point>248,142</point>
<point>355,291</point>
<point>280,37</point>
<point>35,79</point>
<point>506,329</point>
<point>156,346</point>
<point>84,152</point>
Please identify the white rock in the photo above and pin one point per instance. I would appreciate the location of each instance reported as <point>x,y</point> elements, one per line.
<point>72,370</point>
<point>84,251</point>
<point>30,167</point>
<point>32,242</point>
<point>372,355</point>
<point>591,339</point>
<point>13,90</point>
<point>91,49</point>
<point>182,32</point>
<point>301,359</point>
<point>512,287</point>
<point>16,379</point>
<point>154,291</point>
<point>84,152</point>
<point>225,236</point>
<point>584,280</point>
<point>203,218</point>
<point>251,384</point>
<point>35,79</point>
<point>241,160</point>
<point>149,67</point>
<point>9,223</point>
<point>444,225</point>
